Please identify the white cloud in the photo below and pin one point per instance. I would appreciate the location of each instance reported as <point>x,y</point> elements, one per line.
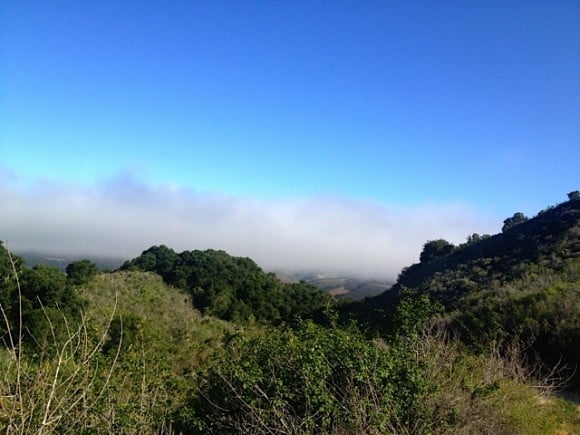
<point>122,217</point>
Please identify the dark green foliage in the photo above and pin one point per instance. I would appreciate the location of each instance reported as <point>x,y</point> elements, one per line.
<point>158,259</point>
<point>435,249</point>
<point>81,272</point>
<point>6,271</point>
<point>511,222</point>
<point>231,288</point>
<point>47,286</point>
<point>46,298</point>
<point>574,195</point>
<point>473,239</point>
<point>307,380</point>
<point>10,268</point>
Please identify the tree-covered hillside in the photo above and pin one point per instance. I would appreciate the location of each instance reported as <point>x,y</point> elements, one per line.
<point>548,240</point>
<point>521,284</point>
<point>231,288</point>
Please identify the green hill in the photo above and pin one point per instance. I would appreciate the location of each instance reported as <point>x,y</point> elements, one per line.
<point>522,284</point>
<point>231,288</point>
<point>153,313</point>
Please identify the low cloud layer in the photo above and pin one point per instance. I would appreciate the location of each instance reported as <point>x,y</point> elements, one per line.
<point>122,217</point>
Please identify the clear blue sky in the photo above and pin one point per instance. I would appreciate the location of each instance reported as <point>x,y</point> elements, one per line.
<point>399,102</point>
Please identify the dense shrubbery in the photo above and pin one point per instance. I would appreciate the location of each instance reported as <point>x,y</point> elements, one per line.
<point>308,379</point>
<point>300,380</point>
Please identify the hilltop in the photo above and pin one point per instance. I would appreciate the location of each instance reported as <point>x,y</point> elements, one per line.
<point>231,288</point>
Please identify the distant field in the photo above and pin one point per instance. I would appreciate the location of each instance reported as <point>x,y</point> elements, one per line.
<point>354,288</point>
<point>61,261</point>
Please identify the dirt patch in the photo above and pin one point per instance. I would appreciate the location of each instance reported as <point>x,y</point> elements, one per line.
<point>339,291</point>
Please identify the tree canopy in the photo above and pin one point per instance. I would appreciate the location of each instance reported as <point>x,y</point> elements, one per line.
<point>511,222</point>
<point>81,272</point>
<point>231,288</point>
<point>435,249</point>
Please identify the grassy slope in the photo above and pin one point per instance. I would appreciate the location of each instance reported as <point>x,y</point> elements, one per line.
<point>163,315</point>
<point>165,342</point>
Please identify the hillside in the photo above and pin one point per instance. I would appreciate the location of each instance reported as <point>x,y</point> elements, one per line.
<point>161,314</point>
<point>122,363</point>
<point>548,240</point>
<point>231,288</point>
<point>521,284</point>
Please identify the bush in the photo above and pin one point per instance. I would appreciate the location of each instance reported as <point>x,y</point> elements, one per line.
<point>81,272</point>
<point>303,380</point>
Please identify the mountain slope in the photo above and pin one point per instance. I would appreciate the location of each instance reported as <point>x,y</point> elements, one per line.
<point>522,284</point>
<point>549,240</point>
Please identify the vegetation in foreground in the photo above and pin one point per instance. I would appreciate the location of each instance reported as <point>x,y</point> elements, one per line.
<point>142,351</point>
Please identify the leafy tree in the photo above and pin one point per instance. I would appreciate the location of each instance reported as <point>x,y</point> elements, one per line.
<point>159,259</point>
<point>574,195</point>
<point>45,285</point>
<point>511,222</point>
<point>47,298</point>
<point>8,290</point>
<point>434,249</point>
<point>413,313</point>
<point>81,272</point>
<point>476,238</point>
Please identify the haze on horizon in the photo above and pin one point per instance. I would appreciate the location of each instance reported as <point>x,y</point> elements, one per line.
<point>334,137</point>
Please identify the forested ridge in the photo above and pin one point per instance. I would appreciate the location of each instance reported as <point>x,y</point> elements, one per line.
<point>475,338</point>
<point>231,288</point>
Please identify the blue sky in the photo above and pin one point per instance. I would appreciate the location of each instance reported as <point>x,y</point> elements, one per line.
<point>400,104</point>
